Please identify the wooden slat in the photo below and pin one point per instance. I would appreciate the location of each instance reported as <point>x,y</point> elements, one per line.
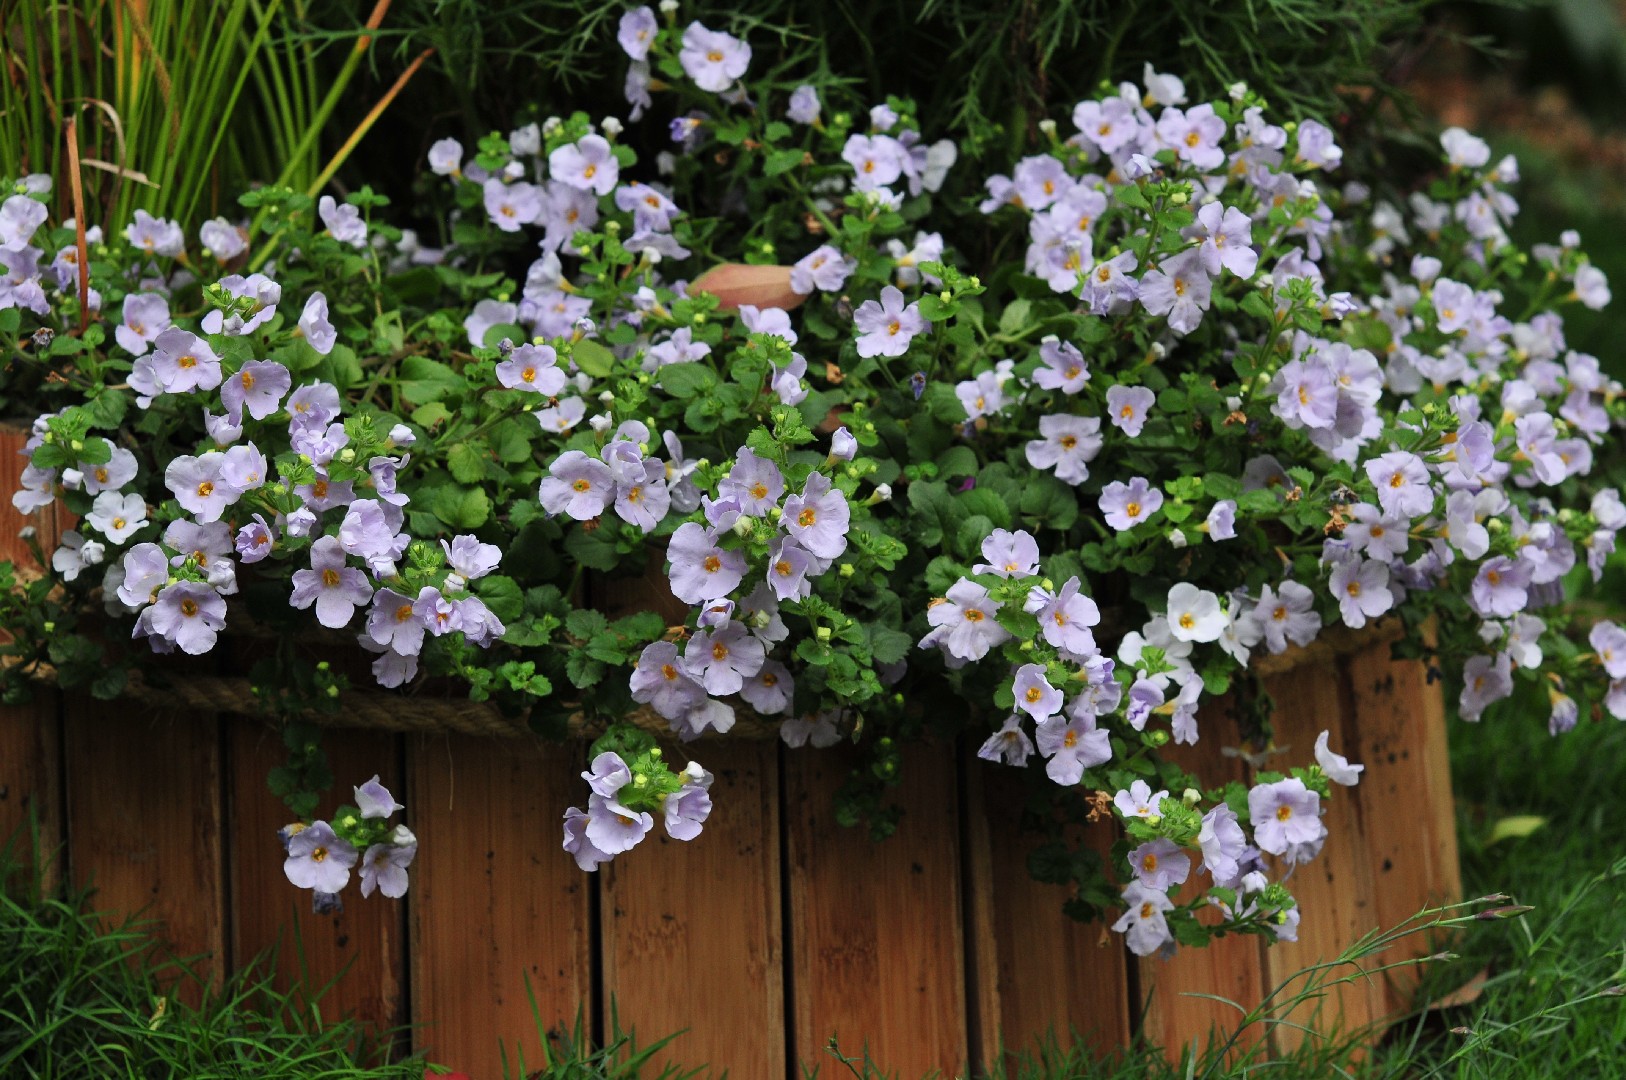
<point>1230,967</point>
<point>31,782</point>
<point>876,934</point>
<point>1334,891</point>
<point>705,914</point>
<point>1035,969</point>
<point>30,734</point>
<point>144,810</point>
<point>366,942</point>
<point>495,899</point>
<point>1405,800</point>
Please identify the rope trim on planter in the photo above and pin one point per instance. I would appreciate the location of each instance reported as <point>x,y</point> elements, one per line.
<point>384,711</point>
<point>403,712</point>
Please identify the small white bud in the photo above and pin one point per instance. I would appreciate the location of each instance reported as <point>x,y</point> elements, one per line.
<point>612,127</point>
<point>1177,538</point>
<point>883,492</point>
<point>1047,126</point>
<point>600,423</point>
<point>606,398</point>
<point>551,125</point>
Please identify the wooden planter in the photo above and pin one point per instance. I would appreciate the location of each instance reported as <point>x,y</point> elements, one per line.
<point>773,931</point>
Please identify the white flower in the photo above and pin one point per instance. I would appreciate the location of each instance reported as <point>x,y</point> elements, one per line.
<point>1194,614</point>
<point>1336,766</point>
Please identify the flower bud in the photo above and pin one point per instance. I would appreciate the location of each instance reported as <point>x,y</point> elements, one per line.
<point>1191,796</point>
<point>822,633</point>
<point>845,570</point>
<point>612,127</point>
<point>606,398</point>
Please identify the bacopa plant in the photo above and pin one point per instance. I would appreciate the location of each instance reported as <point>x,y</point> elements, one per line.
<point>1197,401</point>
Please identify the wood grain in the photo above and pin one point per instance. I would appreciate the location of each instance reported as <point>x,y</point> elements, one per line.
<point>495,901</point>
<point>705,915</point>
<point>359,954</point>
<point>1405,801</point>
<point>1035,970</point>
<point>144,809</point>
<point>1334,891</point>
<point>1230,967</point>
<point>876,934</point>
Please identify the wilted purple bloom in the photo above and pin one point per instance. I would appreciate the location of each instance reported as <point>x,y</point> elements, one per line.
<point>701,569</point>
<point>76,554</point>
<point>576,843</point>
<point>1223,843</point>
<point>336,589</point>
<point>724,658</point>
<point>313,323</point>
<point>824,268</point>
<point>318,859</point>
<point>1160,864</point>
<point>588,164</point>
<point>343,221</point>
<point>1336,766</point>
<point>255,540</point>
<point>578,486</point>
<point>1009,554</point>
<point>755,481</point>
<point>1123,506</point>
<point>818,518</point>
<point>1143,925</point>
<point>964,623</point>
<point>1501,588</point>
<point>1361,587</point>
<point>804,105</point>
<point>1145,696</point>
<point>686,811</point>
<point>1072,744</point>
<point>607,774</point>
<point>1009,744</point>
<point>190,615</point>
<point>889,325</point>
<point>1069,444</point>
<point>1127,407</point>
<point>712,58</point>
<point>1283,814</point>
<point>1485,680</point>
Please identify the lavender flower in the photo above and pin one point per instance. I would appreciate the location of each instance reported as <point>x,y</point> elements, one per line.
<point>1160,864</point>
<point>1140,801</point>
<point>1143,925</point>
<point>116,516</point>
<point>818,518</point>
<point>1009,554</point>
<point>1501,588</point>
<point>1485,681</point>
<point>888,326</point>
<point>197,485</point>
<point>1336,766</point>
<point>1034,694</point>
<point>723,659</point>
<point>1221,521</point>
<point>803,107</point>
<point>336,589</point>
<point>1287,614</point>
<point>1283,814</point>
<point>1194,614</point>
<point>1180,289</point>
<point>1402,482</point>
<point>588,164</point>
<point>755,481</point>
<point>258,386</point>
<point>1072,745</point>
<point>1361,587</point>
<point>1069,444</point>
<point>824,268</point>
<point>1223,845</point>
<point>183,363</point>
<point>374,800</point>
<point>702,570</point>
<point>964,624</point>
<point>189,615</point>
<point>1010,744</point>
<point>1123,506</point>
<point>343,221</point>
<point>578,486</point>
<point>318,859</point>
<point>712,58</point>
<point>1127,407</point>
<point>1064,368</point>
<point>384,867</point>
<point>613,828</point>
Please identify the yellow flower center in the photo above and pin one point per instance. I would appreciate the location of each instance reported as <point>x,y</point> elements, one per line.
<point>189,607</point>
<point>712,564</point>
<point>1283,813</point>
<point>807,517</point>
<point>330,577</point>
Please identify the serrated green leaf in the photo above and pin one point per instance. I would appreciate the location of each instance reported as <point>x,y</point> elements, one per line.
<point>593,358</point>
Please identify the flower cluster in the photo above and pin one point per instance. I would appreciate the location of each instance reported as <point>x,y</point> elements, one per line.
<point>1215,405</point>
<point>322,854</point>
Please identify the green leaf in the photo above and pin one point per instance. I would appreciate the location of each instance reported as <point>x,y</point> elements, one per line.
<point>583,624</point>
<point>687,380</point>
<point>593,358</point>
<point>467,463</point>
<point>501,594</point>
<point>497,333</point>
<point>1515,828</point>
<point>424,380</point>
<point>1015,316</point>
<point>887,645</point>
<point>592,549</point>
<point>461,508</point>
<point>781,161</point>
